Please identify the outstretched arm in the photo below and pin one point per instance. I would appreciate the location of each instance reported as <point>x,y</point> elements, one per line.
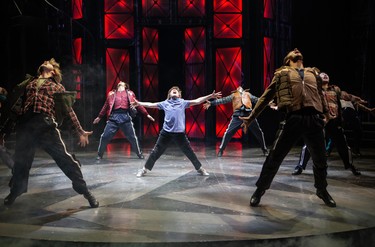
<point>145,104</point>
<point>202,99</point>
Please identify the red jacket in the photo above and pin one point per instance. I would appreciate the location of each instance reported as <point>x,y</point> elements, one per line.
<point>110,102</point>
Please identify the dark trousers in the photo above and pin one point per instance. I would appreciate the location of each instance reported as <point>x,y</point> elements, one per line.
<point>164,139</point>
<point>310,128</point>
<point>235,125</point>
<point>334,132</point>
<point>6,157</point>
<point>39,131</point>
<point>352,122</point>
<point>113,125</point>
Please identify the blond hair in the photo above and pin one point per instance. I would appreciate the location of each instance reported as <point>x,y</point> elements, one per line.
<point>57,75</point>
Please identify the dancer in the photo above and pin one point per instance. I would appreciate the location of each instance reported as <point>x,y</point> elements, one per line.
<point>37,127</point>
<point>116,108</point>
<point>174,128</point>
<point>352,121</point>
<point>333,127</point>
<point>299,95</point>
<point>242,102</point>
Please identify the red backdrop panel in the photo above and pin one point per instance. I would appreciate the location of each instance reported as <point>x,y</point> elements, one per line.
<point>228,77</point>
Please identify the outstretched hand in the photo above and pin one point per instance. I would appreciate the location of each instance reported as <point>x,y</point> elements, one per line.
<point>207,105</point>
<point>134,103</point>
<point>215,95</point>
<point>84,138</point>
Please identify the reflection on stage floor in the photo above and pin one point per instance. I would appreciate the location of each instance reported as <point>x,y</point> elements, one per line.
<point>174,206</point>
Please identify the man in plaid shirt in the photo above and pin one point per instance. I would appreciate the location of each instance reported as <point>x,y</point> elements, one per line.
<point>37,127</point>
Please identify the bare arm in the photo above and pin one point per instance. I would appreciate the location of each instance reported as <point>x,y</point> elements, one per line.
<point>145,104</point>
<point>202,99</point>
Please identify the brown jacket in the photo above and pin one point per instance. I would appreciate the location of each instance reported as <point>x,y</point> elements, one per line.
<point>292,92</point>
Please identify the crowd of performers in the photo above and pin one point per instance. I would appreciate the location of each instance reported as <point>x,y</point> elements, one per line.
<point>313,110</point>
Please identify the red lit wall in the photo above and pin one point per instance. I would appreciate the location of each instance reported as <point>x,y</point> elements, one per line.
<point>228,19</point>
<point>268,64</point>
<point>268,46</point>
<point>191,7</point>
<point>150,56</point>
<point>195,47</point>
<point>77,9</point>
<point>77,48</point>
<point>77,60</point>
<point>228,77</point>
<point>227,25</point>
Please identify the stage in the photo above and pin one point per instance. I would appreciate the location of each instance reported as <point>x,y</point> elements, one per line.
<point>174,206</point>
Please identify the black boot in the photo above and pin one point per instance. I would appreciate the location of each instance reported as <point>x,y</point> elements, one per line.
<point>92,200</point>
<point>10,199</point>
<point>327,199</point>
<point>355,171</point>
<point>255,198</point>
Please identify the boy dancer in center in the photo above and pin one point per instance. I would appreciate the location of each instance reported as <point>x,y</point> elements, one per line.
<point>174,128</point>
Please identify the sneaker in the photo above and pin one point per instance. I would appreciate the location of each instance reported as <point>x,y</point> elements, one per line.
<point>140,156</point>
<point>297,170</point>
<point>203,172</point>
<point>92,200</point>
<point>141,172</point>
<point>99,157</point>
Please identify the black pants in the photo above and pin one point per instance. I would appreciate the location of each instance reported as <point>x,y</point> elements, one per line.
<point>37,132</point>
<point>334,132</point>
<point>235,125</point>
<point>180,139</point>
<point>310,128</point>
<point>352,122</point>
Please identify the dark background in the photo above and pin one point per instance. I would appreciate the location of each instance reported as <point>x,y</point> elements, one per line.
<point>338,38</point>
<point>335,36</point>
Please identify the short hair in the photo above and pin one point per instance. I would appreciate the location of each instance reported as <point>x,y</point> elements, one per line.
<point>126,84</point>
<point>56,69</point>
<point>174,87</point>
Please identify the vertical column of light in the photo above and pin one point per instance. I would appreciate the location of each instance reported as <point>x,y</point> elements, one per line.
<point>150,57</point>
<point>268,48</point>
<point>194,57</point>
<point>77,48</point>
<point>228,30</point>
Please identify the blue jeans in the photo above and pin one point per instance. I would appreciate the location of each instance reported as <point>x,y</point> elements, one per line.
<point>116,122</point>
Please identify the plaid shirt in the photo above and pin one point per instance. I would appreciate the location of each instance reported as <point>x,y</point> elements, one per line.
<point>40,100</point>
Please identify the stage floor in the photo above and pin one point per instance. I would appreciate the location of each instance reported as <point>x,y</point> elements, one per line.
<point>174,206</point>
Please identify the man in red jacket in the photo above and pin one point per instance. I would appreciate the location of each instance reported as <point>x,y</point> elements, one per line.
<point>116,108</point>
